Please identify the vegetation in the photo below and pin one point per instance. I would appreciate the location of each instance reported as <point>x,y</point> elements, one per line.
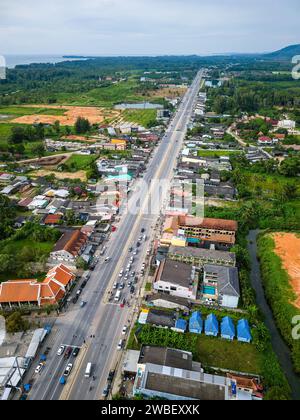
<point>16,323</point>
<point>82,125</point>
<point>279,293</point>
<point>146,117</point>
<point>32,245</point>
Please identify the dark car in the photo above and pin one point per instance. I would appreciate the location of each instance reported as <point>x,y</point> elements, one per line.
<point>84,284</point>
<point>75,299</point>
<point>132,290</point>
<point>68,353</point>
<point>138,244</point>
<point>143,230</point>
<point>111,376</point>
<point>76,351</point>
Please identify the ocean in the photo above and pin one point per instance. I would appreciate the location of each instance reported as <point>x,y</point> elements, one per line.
<point>14,60</point>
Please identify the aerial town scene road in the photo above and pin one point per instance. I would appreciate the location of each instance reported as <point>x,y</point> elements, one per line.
<point>150,206</point>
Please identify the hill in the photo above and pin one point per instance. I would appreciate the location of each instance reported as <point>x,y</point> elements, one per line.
<point>285,54</point>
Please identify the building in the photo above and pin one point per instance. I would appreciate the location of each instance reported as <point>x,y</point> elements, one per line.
<point>198,230</point>
<point>227,328</point>
<point>162,300</point>
<point>161,319</point>
<point>180,325</point>
<point>243,331</point>
<point>221,285</point>
<point>198,257</point>
<point>20,293</point>
<point>173,375</point>
<point>177,279</point>
<point>211,326</point>
<point>196,323</point>
<point>287,124</point>
<point>69,247</point>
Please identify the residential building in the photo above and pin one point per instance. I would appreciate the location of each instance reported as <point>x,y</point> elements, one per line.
<point>177,279</point>
<point>162,300</point>
<point>198,230</point>
<point>69,247</point>
<point>221,285</point>
<point>198,257</point>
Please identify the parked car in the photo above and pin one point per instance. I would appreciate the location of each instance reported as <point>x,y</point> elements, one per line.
<point>120,345</point>
<point>111,376</point>
<point>60,351</point>
<point>115,286</point>
<point>82,304</point>
<point>124,331</point>
<point>68,369</point>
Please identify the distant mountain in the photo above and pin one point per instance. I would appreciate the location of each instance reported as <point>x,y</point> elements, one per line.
<point>285,54</point>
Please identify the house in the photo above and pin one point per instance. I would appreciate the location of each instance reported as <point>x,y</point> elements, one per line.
<point>221,285</point>
<point>287,124</point>
<point>211,326</point>
<point>20,293</point>
<point>70,246</point>
<point>162,300</point>
<point>52,219</point>
<point>227,328</point>
<point>265,141</point>
<point>177,279</point>
<point>173,375</point>
<point>243,331</point>
<point>161,319</point>
<point>196,323</point>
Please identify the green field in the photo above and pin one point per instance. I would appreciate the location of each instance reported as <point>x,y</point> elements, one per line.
<point>104,96</point>
<point>217,153</point>
<point>18,111</point>
<point>79,162</point>
<point>146,117</point>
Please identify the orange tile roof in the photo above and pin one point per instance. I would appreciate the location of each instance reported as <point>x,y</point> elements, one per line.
<point>52,219</point>
<point>50,291</point>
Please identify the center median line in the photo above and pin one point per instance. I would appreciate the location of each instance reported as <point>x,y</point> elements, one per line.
<point>74,374</point>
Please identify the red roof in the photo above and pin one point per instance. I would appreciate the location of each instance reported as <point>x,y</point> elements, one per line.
<point>52,219</point>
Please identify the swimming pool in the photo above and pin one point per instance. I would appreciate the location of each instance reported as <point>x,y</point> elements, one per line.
<point>209,290</point>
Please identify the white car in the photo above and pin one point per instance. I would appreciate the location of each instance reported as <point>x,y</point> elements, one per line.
<point>115,286</point>
<point>60,351</point>
<point>120,345</point>
<point>121,273</point>
<point>107,259</point>
<point>39,368</point>
<point>68,369</point>
<point>124,331</point>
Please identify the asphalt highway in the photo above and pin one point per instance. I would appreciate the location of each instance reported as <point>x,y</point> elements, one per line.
<point>97,328</point>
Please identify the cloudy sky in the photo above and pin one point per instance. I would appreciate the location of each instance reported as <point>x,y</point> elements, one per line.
<point>135,27</point>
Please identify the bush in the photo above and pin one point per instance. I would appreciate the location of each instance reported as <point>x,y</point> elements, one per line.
<point>15,323</point>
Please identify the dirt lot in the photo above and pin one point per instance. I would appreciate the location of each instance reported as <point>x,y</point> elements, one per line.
<point>171,92</point>
<point>61,175</point>
<point>288,249</point>
<point>93,114</point>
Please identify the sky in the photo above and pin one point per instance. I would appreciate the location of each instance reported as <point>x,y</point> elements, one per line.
<point>147,27</point>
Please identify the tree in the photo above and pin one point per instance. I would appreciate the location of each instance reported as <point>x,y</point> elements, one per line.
<point>17,135</point>
<point>81,264</point>
<point>15,323</point>
<point>82,125</point>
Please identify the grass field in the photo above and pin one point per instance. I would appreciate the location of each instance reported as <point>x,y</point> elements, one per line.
<point>104,96</point>
<point>217,153</point>
<point>18,111</point>
<point>146,117</point>
<point>79,162</point>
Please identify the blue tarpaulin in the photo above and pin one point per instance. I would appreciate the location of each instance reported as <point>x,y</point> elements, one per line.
<point>181,325</point>
<point>196,323</point>
<point>211,325</point>
<point>243,331</point>
<point>227,328</point>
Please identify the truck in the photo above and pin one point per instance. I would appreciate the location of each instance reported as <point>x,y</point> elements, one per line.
<point>88,370</point>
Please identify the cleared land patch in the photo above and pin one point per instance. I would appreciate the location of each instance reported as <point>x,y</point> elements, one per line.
<point>287,247</point>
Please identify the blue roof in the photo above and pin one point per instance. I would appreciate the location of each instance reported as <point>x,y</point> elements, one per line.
<point>181,324</point>
<point>243,330</point>
<point>212,324</point>
<point>227,327</point>
<point>196,322</point>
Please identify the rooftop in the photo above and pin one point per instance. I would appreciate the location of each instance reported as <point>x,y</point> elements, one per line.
<point>166,357</point>
<point>176,273</point>
<point>227,278</point>
<point>202,253</point>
